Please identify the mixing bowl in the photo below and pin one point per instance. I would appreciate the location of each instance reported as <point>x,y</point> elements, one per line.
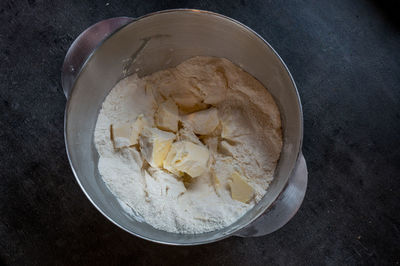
<point>112,49</point>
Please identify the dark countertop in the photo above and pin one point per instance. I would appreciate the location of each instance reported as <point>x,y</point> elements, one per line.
<point>345,58</point>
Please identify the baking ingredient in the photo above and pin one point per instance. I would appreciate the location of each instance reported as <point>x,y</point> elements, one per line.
<point>203,122</point>
<point>127,134</point>
<point>167,116</point>
<point>121,135</point>
<point>240,189</point>
<point>187,157</point>
<point>155,144</point>
<point>196,147</point>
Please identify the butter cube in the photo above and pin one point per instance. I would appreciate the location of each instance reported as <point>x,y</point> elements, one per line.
<point>167,116</point>
<point>126,134</point>
<point>121,135</point>
<point>240,190</point>
<point>203,122</point>
<point>155,144</point>
<point>187,157</point>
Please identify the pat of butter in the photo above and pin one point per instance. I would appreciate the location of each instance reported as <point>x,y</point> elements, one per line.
<point>167,116</point>
<point>203,122</point>
<point>188,158</point>
<point>121,135</point>
<point>240,190</point>
<point>155,144</point>
<point>126,134</point>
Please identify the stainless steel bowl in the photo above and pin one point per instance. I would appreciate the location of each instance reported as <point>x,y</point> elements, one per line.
<point>115,48</point>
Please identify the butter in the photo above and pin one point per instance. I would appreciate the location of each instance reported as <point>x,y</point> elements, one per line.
<point>167,116</point>
<point>120,135</point>
<point>240,190</point>
<point>155,144</point>
<point>203,122</point>
<point>126,134</point>
<point>187,157</point>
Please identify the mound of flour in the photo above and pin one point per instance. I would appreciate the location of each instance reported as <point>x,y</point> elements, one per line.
<point>249,141</point>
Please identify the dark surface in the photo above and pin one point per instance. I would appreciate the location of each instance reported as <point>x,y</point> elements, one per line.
<point>345,58</point>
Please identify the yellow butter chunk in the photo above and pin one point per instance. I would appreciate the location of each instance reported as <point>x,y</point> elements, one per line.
<point>203,122</point>
<point>240,190</point>
<point>121,135</point>
<point>188,158</point>
<point>127,134</point>
<point>167,116</point>
<point>155,144</point>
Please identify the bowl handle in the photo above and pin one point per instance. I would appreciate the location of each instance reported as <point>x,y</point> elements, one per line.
<point>284,208</point>
<point>83,46</point>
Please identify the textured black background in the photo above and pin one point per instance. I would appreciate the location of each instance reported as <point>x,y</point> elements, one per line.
<point>345,58</point>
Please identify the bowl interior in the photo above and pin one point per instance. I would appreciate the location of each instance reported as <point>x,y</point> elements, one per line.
<point>160,41</point>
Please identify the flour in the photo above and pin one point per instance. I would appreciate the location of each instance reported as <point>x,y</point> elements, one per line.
<point>247,140</point>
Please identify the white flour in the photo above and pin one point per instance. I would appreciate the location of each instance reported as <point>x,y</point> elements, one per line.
<point>251,144</point>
